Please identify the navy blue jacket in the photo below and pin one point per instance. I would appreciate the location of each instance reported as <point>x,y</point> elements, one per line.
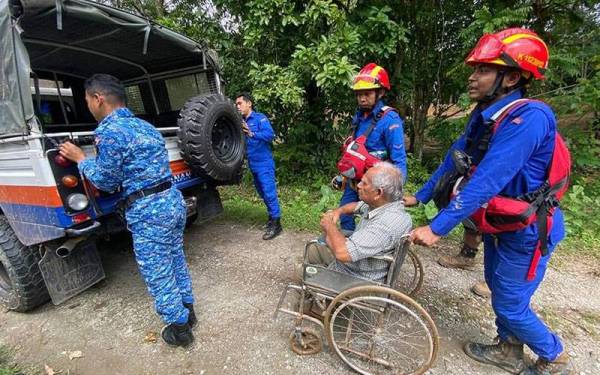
<point>258,146</point>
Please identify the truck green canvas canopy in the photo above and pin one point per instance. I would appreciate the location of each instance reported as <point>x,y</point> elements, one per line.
<point>79,38</point>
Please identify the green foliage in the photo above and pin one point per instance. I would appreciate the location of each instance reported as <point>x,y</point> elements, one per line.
<point>445,132</point>
<point>298,59</point>
<point>7,367</point>
<point>301,205</point>
<point>581,208</point>
<point>490,20</point>
<point>585,149</point>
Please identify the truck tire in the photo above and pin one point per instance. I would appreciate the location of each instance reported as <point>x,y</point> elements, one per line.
<point>210,136</point>
<point>21,284</point>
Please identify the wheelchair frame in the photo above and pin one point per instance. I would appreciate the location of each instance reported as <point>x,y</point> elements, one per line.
<point>361,295</point>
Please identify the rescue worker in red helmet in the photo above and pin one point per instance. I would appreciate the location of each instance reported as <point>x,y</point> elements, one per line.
<point>514,163</point>
<point>385,139</point>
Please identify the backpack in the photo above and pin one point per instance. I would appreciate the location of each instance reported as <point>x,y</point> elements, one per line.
<point>356,159</point>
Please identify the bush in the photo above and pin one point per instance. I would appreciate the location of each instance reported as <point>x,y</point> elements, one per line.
<point>580,208</point>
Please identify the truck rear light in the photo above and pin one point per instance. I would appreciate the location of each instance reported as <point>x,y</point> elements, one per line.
<point>80,218</point>
<point>70,181</point>
<point>62,161</point>
<point>78,201</point>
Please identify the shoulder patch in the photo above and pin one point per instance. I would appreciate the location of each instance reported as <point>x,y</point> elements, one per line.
<point>517,121</point>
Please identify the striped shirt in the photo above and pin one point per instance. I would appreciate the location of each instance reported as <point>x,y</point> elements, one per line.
<point>378,232</point>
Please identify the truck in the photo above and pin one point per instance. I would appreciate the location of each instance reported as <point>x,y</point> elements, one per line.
<point>50,216</point>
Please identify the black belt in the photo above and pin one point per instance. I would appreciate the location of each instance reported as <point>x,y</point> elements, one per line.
<point>146,192</point>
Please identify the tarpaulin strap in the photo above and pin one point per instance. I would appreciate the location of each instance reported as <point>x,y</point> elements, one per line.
<point>146,38</point>
<point>59,11</point>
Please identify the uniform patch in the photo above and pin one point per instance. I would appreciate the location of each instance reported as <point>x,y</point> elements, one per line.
<point>517,121</point>
<point>96,140</point>
<point>395,126</point>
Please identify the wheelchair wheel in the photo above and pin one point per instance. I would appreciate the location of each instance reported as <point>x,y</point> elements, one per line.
<point>378,330</point>
<point>306,341</point>
<point>410,278</point>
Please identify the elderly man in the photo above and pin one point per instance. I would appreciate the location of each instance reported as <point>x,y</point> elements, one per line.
<point>382,225</point>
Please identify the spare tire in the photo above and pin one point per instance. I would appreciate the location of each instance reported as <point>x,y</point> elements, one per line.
<point>210,136</point>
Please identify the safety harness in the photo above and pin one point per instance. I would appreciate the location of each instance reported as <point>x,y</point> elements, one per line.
<point>356,159</point>
<point>507,214</point>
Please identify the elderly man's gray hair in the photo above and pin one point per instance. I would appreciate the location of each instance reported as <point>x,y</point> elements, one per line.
<point>388,178</point>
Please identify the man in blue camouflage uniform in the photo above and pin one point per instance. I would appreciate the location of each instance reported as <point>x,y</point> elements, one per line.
<point>386,140</point>
<point>259,136</point>
<point>131,154</point>
<point>515,163</point>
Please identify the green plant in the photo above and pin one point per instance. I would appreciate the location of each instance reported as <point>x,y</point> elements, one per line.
<point>580,211</point>
<point>7,367</point>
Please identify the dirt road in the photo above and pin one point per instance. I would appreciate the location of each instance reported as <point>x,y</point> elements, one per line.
<point>238,279</point>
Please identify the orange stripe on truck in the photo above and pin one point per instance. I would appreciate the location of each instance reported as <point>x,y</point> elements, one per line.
<point>48,195</point>
<point>32,195</point>
<point>179,167</point>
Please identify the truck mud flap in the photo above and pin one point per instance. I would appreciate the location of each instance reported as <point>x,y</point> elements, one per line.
<point>209,204</point>
<point>68,276</point>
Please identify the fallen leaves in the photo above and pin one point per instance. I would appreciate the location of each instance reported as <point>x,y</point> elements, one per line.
<point>50,371</point>
<point>75,354</point>
<point>151,337</point>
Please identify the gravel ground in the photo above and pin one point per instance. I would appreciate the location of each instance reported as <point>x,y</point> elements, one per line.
<point>238,279</point>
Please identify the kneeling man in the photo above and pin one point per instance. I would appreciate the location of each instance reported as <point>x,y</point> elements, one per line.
<point>383,222</point>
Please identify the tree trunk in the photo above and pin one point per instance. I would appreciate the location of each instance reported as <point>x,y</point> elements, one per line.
<point>419,114</point>
<point>160,8</point>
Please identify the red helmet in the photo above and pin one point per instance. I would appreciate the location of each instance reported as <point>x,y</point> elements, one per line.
<point>371,77</point>
<point>514,47</point>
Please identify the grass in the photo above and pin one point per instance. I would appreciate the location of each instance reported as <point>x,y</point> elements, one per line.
<point>302,206</point>
<point>6,365</point>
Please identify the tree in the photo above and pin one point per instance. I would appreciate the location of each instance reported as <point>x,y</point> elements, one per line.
<point>298,57</point>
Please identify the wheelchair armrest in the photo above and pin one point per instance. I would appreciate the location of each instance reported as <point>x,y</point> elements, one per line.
<point>387,258</point>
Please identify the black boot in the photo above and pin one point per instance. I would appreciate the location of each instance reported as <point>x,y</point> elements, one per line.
<point>267,224</point>
<point>177,334</point>
<point>507,355</point>
<point>273,230</point>
<point>192,316</point>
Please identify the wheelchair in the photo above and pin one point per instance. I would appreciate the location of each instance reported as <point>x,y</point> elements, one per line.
<point>375,328</point>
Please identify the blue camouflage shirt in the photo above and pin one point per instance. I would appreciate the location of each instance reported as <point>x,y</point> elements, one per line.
<point>131,153</point>
<point>516,162</point>
<point>388,135</point>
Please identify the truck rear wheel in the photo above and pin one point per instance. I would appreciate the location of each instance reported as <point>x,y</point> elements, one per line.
<point>21,284</point>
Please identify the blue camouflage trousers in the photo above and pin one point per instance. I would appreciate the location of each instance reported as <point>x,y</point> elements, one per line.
<point>157,223</point>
